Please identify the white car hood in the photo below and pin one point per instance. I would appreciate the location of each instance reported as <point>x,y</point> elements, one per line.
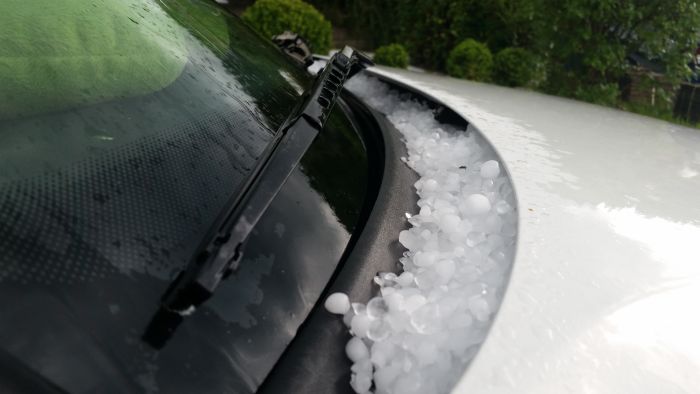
<point>605,287</point>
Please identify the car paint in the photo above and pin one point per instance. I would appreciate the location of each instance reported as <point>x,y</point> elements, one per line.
<point>605,284</point>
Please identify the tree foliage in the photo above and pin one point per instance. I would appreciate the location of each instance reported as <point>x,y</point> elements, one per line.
<point>514,67</point>
<point>392,55</point>
<point>430,29</point>
<point>272,17</point>
<point>583,45</point>
<point>587,42</point>
<point>471,60</point>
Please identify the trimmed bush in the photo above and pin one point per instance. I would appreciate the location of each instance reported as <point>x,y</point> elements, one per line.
<point>272,17</point>
<point>393,55</point>
<point>514,67</point>
<point>470,59</point>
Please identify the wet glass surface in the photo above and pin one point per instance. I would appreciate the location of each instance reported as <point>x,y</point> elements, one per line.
<point>103,201</point>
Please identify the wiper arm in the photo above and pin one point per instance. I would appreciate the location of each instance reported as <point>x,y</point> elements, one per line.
<point>222,251</point>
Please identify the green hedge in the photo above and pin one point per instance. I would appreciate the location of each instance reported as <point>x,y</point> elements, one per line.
<point>393,55</point>
<point>514,67</point>
<point>581,47</point>
<point>272,17</point>
<point>429,29</point>
<point>470,59</point>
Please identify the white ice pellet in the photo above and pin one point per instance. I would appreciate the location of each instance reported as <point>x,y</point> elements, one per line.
<point>502,207</point>
<point>425,259</point>
<point>394,301</point>
<point>493,224</point>
<point>385,278</point>
<point>489,169</point>
<point>405,279</point>
<point>474,238</point>
<point>360,325</point>
<point>430,185</point>
<point>378,330</point>
<point>356,350</point>
<point>414,302</point>
<point>338,303</point>
<point>385,376</point>
<point>449,223</point>
<point>361,382</point>
<point>347,318</point>
<point>316,67</point>
<point>426,324</point>
<point>358,308</point>
<point>445,268</point>
<point>376,308</point>
<point>475,204</point>
<point>479,308</point>
<point>407,239</point>
<point>382,352</point>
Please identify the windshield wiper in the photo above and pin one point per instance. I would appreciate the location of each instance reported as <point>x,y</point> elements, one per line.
<point>220,253</point>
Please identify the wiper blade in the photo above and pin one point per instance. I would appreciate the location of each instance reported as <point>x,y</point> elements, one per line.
<point>222,251</point>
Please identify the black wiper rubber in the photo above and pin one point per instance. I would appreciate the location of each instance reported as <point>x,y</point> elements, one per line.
<point>221,252</point>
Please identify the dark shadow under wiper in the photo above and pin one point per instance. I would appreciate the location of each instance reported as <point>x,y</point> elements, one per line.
<point>220,253</point>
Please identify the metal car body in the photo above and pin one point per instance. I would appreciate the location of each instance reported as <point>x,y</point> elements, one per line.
<point>603,290</point>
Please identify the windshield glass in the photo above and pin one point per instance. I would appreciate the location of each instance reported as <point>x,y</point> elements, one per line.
<point>125,127</point>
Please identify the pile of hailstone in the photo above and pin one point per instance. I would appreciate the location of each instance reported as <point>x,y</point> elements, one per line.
<point>427,323</point>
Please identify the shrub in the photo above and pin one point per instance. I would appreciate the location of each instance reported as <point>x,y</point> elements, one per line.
<point>429,29</point>
<point>514,67</point>
<point>394,55</point>
<point>602,94</point>
<point>470,59</point>
<point>272,17</point>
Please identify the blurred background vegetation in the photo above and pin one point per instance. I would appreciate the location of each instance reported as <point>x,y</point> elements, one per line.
<point>637,55</point>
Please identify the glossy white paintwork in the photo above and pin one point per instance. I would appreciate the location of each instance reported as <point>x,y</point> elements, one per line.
<point>604,295</point>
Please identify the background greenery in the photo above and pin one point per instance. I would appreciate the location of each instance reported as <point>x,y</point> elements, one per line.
<point>515,67</point>
<point>573,48</point>
<point>470,59</point>
<point>392,55</point>
<point>273,17</point>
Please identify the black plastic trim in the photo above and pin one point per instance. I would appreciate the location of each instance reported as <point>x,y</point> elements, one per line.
<point>315,361</point>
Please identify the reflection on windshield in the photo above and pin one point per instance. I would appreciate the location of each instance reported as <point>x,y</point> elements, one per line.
<point>343,182</point>
<point>65,54</point>
<point>255,63</point>
<point>103,200</point>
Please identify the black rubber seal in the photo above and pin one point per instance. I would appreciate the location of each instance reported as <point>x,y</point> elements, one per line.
<point>315,361</point>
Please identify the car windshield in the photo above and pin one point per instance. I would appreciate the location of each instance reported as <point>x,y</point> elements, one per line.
<point>125,128</point>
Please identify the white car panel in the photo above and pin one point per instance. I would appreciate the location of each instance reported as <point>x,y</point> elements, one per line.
<point>605,290</point>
